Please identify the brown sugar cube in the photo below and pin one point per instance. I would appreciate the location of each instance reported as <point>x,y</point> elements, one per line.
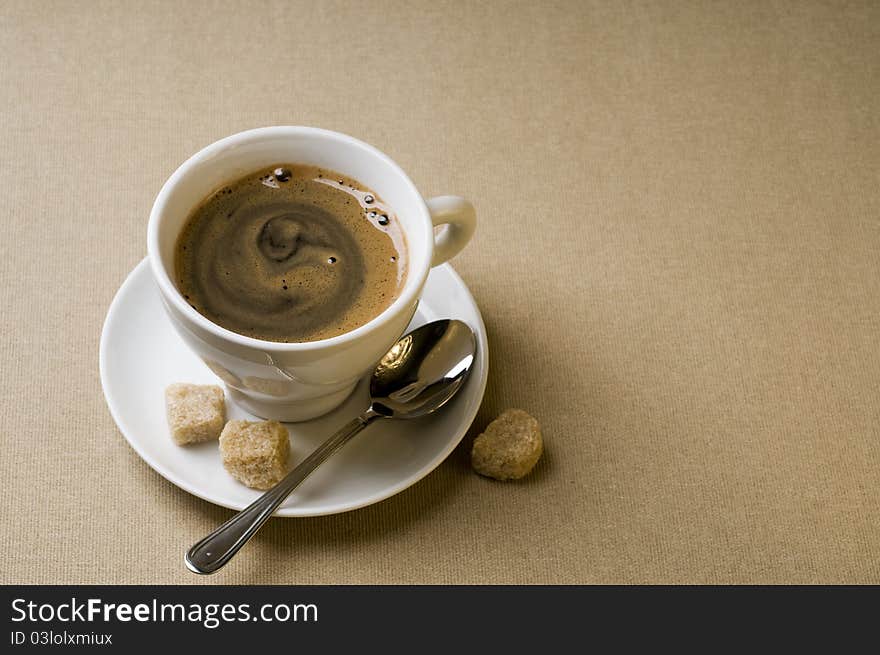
<point>195,412</point>
<point>255,453</point>
<point>509,448</point>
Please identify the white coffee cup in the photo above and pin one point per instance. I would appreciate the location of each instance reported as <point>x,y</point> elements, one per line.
<point>299,381</point>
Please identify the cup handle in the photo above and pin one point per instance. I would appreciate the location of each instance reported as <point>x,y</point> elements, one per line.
<point>460,219</point>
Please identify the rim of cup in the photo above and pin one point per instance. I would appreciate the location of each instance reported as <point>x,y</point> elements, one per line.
<point>415,275</point>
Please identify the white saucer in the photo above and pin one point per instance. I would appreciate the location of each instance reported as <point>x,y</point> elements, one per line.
<point>141,354</point>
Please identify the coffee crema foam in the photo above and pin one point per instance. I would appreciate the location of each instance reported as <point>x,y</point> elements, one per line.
<point>291,253</point>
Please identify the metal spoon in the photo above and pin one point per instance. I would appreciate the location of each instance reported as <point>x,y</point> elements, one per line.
<point>420,373</point>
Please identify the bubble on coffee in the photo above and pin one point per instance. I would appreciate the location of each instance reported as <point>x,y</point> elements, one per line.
<point>289,254</point>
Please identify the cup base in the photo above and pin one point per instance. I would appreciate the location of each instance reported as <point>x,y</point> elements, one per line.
<point>291,412</point>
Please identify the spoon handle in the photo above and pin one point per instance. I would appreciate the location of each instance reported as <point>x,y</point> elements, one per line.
<point>214,551</point>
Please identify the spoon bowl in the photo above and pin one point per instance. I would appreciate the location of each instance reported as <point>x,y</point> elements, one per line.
<point>423,370</point>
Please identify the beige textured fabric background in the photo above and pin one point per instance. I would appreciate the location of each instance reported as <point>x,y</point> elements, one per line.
<point>678,261</point>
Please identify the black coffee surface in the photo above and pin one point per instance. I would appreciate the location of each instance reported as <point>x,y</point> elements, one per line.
<point>291,253</point>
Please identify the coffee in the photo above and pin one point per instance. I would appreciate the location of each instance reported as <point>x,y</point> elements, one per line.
<point>291,253</point>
